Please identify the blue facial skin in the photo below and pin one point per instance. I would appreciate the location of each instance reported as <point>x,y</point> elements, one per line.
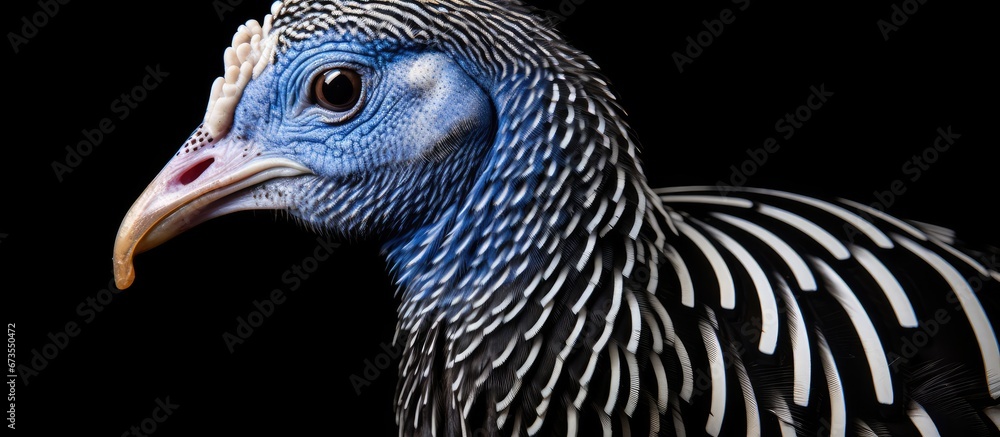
<point>439,161</point>
<point>407,152</point>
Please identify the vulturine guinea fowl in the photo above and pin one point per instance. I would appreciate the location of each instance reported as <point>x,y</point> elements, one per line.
<point>546,288</point>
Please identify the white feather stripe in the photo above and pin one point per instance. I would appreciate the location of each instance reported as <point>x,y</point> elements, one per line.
<point>801,362</point>
<point>717,372</point>
<point>629,258</point>
<point>679,428</point>
<point>571,226</point>
<point>530,288</point>
<point>592,363</point>
<point>633,383</point>
<point>498,308</point>
<point>654,331</point>
<point>539,419</point>
<point>812,230</point>
<point>936,232</point>
<point>597,216</point>
<point>556,287</point>
<point>595,278</point>
<point>668,326</point>
<point>683,275</point>
<point>870,341</point>
<point>910,229</point>
<point>853,219</point>
<point>517,424</point>
<point>619,209</point>
<point>585,156</point>
<point>889,285</point>
<point>465,410</point>
<point>605,423</point>
<point>922,421</point>
<point>572,421</point>
<point>687,372</point>
<point>966,258</point>
<point>483,377</point>
<point>804,277</point>
<point>581,319</point>
<point>552,266</point>
<point>591,191</point>
<point>615,379</point>
<point>709,200</point>
<point>616,299</point>
<point>504,403</point>
<point>580,397</point>
<point>553,378</point>
<point>785,421</point>
<point>993,413</point>
<point>727,291</point>
<point>765,294</point>
<point>636,321</point>
<point>981,327</point>
<point>787,429</point>
<point>654,415</point>
<point>838,407</point>
<point>553,102</point>
<point>612,144</point>
<point>433,419</point>
<point>662,386</point>
<point>587,251</point>
<point>476,340</point>
<point>533,331</point>
<point>530,360</point>
<point>654,275</point>
<point>640,209</point>
<point>749,398</point>
<point>514,311</point>
<point>619,184</point>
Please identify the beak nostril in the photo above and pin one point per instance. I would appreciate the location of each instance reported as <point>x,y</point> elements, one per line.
<point>194,172</point>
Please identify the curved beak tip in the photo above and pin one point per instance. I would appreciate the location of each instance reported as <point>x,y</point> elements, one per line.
<point>124,274</point>
<point>124,269</point>
<point>173,202</point>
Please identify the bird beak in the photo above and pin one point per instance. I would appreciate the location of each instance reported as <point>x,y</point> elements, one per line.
<point>195,186</point>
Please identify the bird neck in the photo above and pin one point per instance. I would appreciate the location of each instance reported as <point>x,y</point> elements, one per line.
<point>557,220</point>
<point>560,181</point>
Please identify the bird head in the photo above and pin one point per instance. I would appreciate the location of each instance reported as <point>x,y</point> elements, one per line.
<point>356,129</point>
<point>413,122</point>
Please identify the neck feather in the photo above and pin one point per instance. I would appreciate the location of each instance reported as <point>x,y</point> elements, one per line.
<point>559,222</point>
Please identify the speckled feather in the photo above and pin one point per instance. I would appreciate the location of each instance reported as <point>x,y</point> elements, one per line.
<point>558,294</point>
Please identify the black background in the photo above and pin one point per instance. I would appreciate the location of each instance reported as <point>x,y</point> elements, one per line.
<point>163,337</point>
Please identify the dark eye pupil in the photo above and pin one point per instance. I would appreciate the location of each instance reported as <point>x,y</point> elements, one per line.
<point>338,89</point>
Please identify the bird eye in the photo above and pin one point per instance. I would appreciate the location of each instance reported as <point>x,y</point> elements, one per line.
<point>337,89</point>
